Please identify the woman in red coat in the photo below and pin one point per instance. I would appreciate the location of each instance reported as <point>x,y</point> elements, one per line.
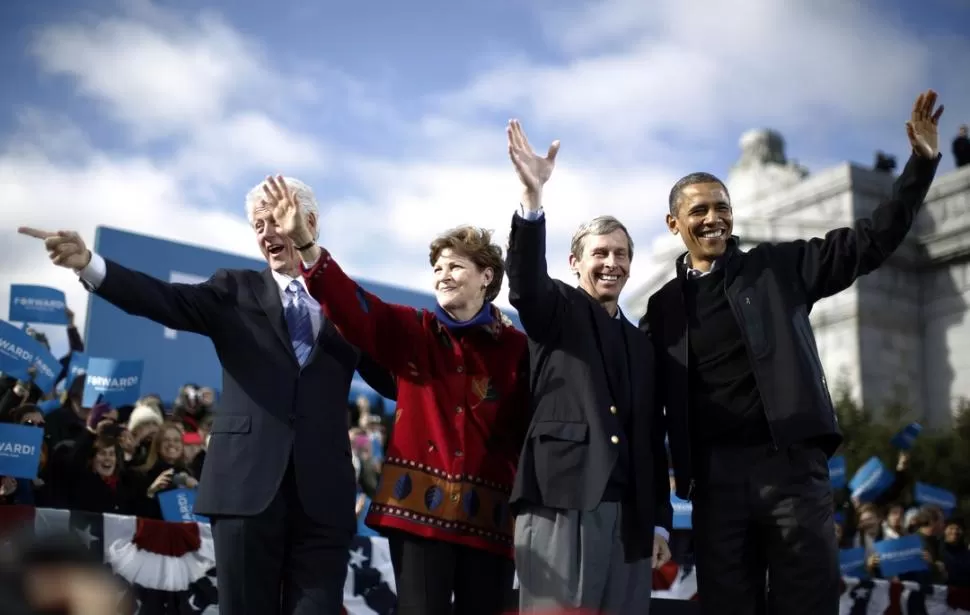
<point>462,413</point>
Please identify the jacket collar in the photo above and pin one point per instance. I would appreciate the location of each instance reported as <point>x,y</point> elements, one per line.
<point>728,259</point>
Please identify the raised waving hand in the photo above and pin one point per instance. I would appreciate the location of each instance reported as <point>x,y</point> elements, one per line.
<point>923,125</point>
<point>533,170</point>
<point>289,215</point>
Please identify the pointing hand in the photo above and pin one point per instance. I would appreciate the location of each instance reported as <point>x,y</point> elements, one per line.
<point>65,248</point>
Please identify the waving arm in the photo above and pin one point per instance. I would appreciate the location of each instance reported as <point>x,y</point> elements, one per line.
<point>386,332</point>
<point>829,265</point>
<point>186,307</point>
<point>531,291</point>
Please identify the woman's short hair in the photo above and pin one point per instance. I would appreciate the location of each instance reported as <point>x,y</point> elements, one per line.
<point>476,245</point>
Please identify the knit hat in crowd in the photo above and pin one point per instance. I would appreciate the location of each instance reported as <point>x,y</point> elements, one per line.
<point>143,415</point>
<point>97,413</point>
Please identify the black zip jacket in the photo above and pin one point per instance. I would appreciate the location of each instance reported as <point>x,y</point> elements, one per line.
<point>771,290</point>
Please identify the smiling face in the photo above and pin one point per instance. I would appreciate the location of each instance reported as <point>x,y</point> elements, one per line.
<point>278,250</point>
<point>459,285</point>
<point>704,220</point>
<point>603,266</point>
<point>105,461</point>
<point>170,446</point>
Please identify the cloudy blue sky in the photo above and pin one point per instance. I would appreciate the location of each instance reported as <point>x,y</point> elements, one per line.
<point>159,116</point>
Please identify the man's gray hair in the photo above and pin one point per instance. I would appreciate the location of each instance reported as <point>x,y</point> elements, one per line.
<point>302,192</point>
<point>602,225</point>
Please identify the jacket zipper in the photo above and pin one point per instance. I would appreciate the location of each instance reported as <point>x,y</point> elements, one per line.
<point>754,370</point>
<point>816,362</point>
<point>690,451</point>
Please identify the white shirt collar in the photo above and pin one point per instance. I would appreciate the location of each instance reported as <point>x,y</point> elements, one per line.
<point>283,280</point>
<point>697,273</point>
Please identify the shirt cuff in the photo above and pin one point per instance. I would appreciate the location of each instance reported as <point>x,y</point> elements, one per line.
<point>531,216</point>
<point>308,266</point>
<point>662,532</point>
<point>94,273</point>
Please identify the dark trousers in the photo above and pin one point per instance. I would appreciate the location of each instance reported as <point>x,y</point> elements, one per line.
<point>427,573</point>
<point>761,513</point>
<point>280,561</point>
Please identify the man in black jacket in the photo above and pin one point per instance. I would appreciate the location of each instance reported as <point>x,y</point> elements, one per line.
<point>748,409</point>
<point>592,494</point>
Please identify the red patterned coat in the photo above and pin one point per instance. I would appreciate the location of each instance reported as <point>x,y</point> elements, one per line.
<point>462,413</point>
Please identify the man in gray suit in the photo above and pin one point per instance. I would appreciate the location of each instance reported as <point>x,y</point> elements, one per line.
<point>278,481</point>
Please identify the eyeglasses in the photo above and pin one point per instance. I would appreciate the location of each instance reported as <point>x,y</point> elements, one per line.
<point>34,423</point>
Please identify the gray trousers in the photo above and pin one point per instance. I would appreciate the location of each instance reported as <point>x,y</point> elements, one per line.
<point>574,559</point>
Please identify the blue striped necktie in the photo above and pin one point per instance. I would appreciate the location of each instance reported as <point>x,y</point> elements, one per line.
<point>298,321</point>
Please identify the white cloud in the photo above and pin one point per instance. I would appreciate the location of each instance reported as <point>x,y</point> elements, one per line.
<point>640,72</point>
<point>248,142</point>
<point>638,93</point>
<point>155,80</point>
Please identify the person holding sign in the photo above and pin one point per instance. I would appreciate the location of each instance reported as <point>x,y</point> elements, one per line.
<point>463,408</point>
<point>278,482</point>
<point>744,388</point>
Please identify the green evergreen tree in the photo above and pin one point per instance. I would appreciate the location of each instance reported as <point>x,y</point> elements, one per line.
<point>940,457</point>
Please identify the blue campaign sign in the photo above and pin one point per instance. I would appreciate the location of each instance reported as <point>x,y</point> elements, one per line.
<point>852,562</point>
<point>377,445</point>
<point>937,496</point>
<point>19,353</point>
<point>37,304</point>
<point>683,511</point>
<point>173,358</point>
<point>49,406</point>
<point>871,480</point>
<point>900,555</point>
<point>115,382</point>
<point>906,438</point>
<point>178,504</point>
<point>837,472</point>
<point>77,366</point>
<point>362,528</point>
<point>20,447</point>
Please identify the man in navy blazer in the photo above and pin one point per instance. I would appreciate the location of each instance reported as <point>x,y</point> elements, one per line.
<point>278,482</point>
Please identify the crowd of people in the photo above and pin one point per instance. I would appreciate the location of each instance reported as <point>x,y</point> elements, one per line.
<point>894,514</point>
<point>102,459</point>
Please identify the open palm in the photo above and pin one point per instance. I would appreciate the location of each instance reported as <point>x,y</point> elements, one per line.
<point>533,170</point>
<point>923,125</point>
<point>284,205</point>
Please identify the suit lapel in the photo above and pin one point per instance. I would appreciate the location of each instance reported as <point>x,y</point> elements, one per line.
<point>675,323</point>
<point>325,338</point>
<point>601,320</point>
<point>269,299</point>
<point>637,363</point>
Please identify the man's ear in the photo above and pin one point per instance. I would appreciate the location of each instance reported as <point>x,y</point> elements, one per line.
<point>672,224</point>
